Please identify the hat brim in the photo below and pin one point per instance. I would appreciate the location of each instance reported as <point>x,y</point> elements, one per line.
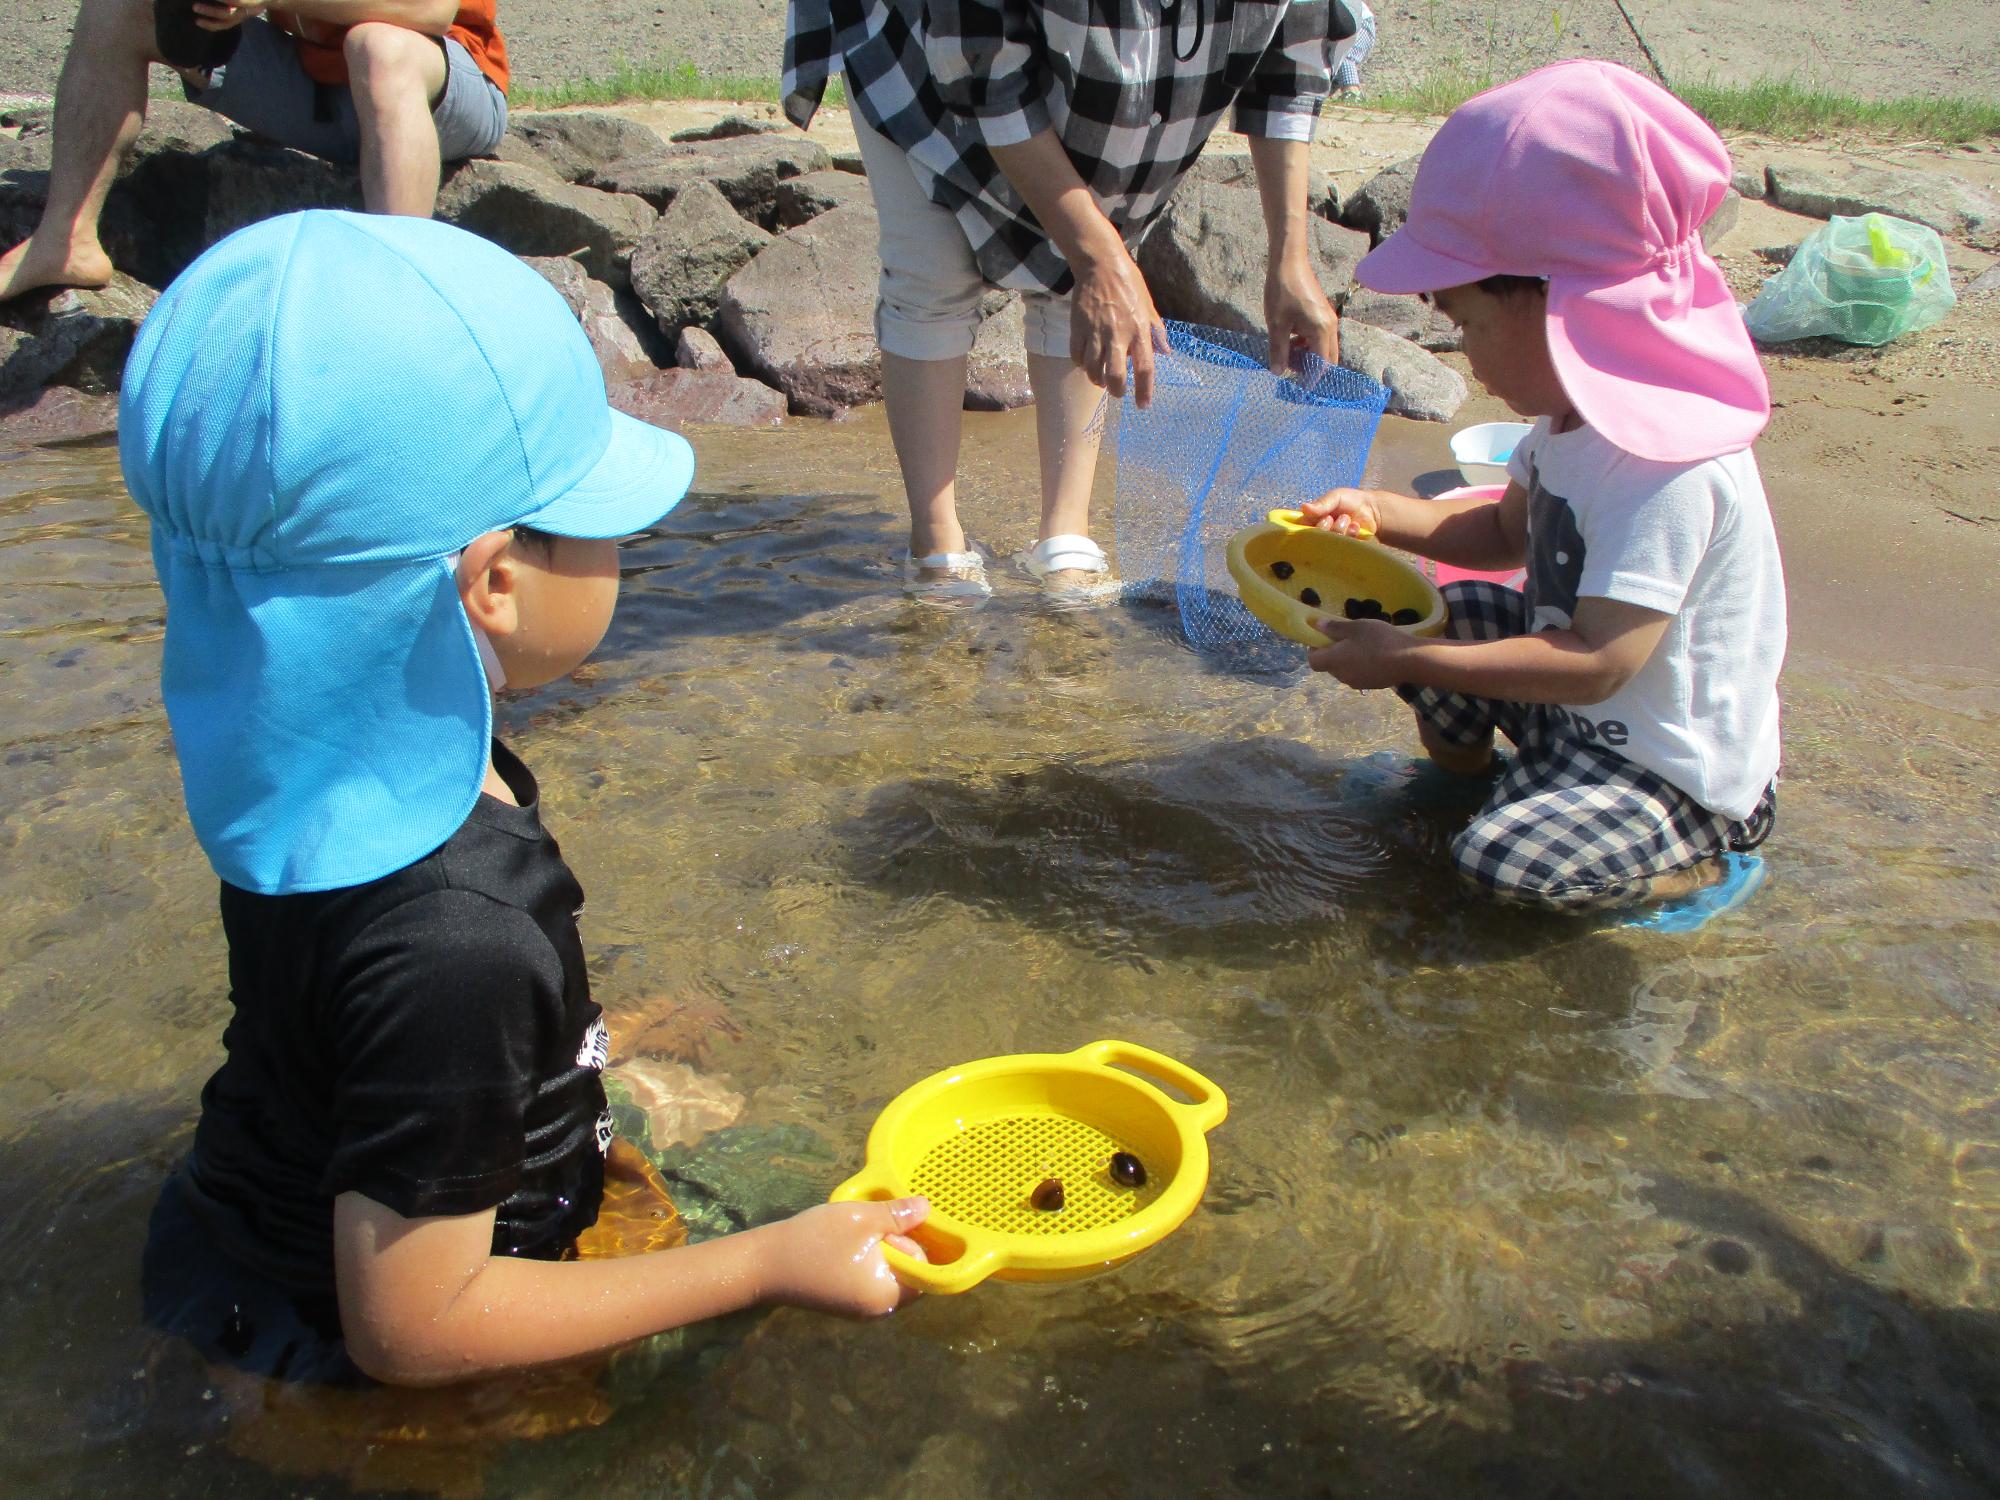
<point>1403,266</point>
<point>643,473</point>
<point>1660,362</point>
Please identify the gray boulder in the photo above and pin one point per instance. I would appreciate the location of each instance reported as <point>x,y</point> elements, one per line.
<point>572,143</point>
<point>697,349</point>
<point>1985,284</point>
<point>728,128</point>
<point>804,198</point>
<point>850,161</point>
<point>248,181</point>
<point>672,398</point>
<point>693,248</point>
<point>1204,259</point>
<point>996,372</point>
<point>1719,223</point>
<point>1406,317</point>
<point>1381,204</point>
<point>1420,384</point>
<point>620,352</point>
<point>747,171</point>
<point>56,413</point>
<point>1749,182</point>
<point>801,315</point>
<point>533,213</point>
<point>1950,205</point>
<point>1223,168</point>
<point>71,337</point>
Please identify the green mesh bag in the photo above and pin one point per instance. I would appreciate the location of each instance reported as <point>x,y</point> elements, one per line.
<point>1862,280</point>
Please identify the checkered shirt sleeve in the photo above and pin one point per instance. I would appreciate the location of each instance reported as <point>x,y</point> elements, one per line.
<point>1133,91</point>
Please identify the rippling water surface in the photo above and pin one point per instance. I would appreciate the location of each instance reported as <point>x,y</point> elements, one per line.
<point>1506,1205</point>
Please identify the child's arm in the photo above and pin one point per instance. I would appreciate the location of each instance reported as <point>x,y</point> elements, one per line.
<point>1607,642</point>
<point>1465,533</point>
<point>424,1301</point>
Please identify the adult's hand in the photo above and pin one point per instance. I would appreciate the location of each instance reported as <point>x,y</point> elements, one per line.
<point>1113,324</point>
<point>1298,314</point>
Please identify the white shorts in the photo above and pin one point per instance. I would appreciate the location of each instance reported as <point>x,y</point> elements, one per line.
<point>927,304</point>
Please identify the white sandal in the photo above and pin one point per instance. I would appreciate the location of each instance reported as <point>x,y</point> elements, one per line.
<point>1069,553</point>
<point>946,575</point>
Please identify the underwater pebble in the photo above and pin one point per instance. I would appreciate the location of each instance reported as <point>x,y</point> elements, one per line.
<point>1048,1195</point>
<point>1364,609</point>
<point>1406,617</point>
<point>1714,1158</point>
<point>1730,1257</point>
<point>1281,569</point>
<point>1309,596</point>
<point>1127,1170</point>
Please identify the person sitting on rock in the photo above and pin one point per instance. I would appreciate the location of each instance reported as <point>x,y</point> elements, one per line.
<point>395,86</point>
<point>1026,144</point>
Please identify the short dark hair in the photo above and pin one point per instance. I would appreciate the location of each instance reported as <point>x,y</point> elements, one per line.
<point>1510,286</point>
<point>542,542</point>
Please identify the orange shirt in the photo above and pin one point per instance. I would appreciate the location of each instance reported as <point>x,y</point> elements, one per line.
<point>475,28</point>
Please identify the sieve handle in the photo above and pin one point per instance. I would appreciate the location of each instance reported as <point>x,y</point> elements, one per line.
<point>1293,520</point>
<point>960,1275</point>
<point>1206,1102</point>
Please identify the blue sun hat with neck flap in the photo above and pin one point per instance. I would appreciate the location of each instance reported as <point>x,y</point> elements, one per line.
<point>318,415</point>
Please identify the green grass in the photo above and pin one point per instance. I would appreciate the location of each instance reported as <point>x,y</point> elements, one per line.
<point>1792,110</point>
<point>633,82</point>
<point>1783,108</point>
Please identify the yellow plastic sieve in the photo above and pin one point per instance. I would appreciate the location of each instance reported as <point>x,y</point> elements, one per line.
<point>1334,567</point>
<point>977,1140</point>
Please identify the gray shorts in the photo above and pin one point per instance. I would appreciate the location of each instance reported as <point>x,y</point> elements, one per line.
<point>265,88</point>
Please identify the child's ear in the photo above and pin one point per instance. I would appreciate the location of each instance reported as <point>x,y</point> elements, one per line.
<point>486,582</point>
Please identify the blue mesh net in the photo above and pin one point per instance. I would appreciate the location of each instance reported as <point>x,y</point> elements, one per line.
<point>1223,442</point>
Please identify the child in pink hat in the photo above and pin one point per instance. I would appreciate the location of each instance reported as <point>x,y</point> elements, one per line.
<point>1556,220</point>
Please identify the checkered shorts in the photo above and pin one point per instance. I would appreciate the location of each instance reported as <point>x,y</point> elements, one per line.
<point>1570,825</point>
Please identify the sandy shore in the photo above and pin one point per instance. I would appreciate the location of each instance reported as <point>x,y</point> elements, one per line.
<point>1848,45</point>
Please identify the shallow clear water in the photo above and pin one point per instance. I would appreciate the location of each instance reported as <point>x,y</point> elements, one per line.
<point>1505,1205</point>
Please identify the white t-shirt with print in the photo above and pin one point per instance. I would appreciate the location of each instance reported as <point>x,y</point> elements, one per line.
<point>1693,541</point>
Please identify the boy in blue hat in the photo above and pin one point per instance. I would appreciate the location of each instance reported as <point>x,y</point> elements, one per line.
<point>384,481</point>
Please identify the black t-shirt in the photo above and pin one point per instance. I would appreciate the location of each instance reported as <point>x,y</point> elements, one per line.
<point>427,1039</point>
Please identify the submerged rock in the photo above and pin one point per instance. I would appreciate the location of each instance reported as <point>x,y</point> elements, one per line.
<point>56,414</point>
<point>673,398</point>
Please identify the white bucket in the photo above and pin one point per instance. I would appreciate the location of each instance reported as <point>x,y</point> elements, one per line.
<point>1482,452</point>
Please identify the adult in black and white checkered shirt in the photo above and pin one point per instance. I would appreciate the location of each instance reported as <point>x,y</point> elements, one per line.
<point>1025,144</point>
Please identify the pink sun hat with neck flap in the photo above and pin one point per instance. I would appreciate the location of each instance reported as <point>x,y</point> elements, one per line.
<point>1599,180</point>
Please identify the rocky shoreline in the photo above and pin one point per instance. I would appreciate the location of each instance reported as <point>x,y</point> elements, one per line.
<point>726,274</point>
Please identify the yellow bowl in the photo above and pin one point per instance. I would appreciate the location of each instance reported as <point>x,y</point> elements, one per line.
<point>1338,568</point>
<point>978,1140</point>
